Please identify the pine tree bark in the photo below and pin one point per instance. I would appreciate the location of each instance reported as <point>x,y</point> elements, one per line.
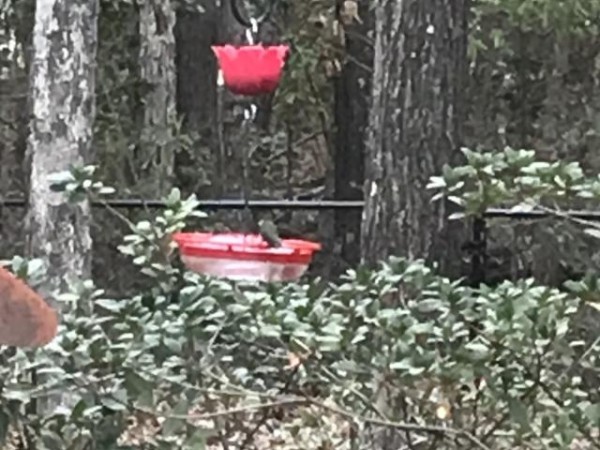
<point>414,128</point>
<point>63,109</point>
<point>157,71</point>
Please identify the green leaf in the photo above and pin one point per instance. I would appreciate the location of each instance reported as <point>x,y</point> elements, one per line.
<point>457,216</point>
<point>174,198</point>
<point>415,371</point>
<point>67,297</point>
<point>106,190</point>
<point>197,441</point>
<point>436,183</point>
<point>139,388</point>
<point>478,350</point>
<point>174,425</point>
<point>78,410</point>
<point>592,412</point>
<point>22,395</point>
<point>429,305</point>
<point>59,179</point>
<point>52,440</point>
<point>518,412</point>
<point>113,404</point>
<point>110,305</point>
<point>403,364</point>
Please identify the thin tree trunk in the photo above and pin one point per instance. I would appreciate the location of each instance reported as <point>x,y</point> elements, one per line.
<point>157,70</point>
<point>352,92</point>
<point>414,128</point>
<point>63,106</point>
<point>22,24</point>
<point>195,32</point>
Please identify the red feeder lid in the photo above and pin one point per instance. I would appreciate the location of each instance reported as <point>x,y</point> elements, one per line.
<point>251,69</point>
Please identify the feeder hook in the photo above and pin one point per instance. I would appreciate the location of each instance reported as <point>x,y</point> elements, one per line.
<point>265,13</point>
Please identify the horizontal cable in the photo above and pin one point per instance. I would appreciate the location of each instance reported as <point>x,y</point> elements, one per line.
<point>515,214</point>
<point>134,203</point>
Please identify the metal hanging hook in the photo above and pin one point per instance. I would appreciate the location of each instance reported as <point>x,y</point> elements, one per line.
<point>249,22</point>
<point>252,32</point>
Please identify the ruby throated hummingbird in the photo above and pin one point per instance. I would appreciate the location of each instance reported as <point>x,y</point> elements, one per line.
<point>268,231</point>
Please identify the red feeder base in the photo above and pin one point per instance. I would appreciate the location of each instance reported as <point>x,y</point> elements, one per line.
<point>245,256</point>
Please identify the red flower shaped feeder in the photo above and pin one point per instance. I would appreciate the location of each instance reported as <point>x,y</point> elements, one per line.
<point>251,69</point>
<point>245,256</point>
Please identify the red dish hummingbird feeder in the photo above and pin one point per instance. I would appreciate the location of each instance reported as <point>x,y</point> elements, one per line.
<point>247,70</point>
<point>245,256</point>
<point>251,69</point>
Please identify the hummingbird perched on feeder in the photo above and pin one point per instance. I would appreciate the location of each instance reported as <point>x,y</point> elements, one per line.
<point>268,231</point>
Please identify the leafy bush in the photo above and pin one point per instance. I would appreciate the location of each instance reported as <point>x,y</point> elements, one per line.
<point>192,360</point>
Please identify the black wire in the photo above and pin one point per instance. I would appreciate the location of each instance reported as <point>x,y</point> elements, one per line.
<point>230,204</point>
<point>524,215</point>
<point>233,204</point>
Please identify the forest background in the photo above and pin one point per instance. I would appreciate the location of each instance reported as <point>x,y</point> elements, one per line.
<point>526,78</point>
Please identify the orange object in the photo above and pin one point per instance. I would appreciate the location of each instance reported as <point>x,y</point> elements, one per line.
<point>26,320</point>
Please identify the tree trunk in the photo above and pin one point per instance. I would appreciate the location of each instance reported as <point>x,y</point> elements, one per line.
<point>157,71</point>
<point>352,91</point>
<point>63,108</point>
<point>414,129</point>
<point>195,32</point>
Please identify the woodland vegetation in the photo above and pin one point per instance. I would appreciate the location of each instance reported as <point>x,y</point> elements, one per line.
<point>459,308</point>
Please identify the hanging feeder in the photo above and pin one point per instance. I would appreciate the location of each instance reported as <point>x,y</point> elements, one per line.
<point>251,69</point>
<point>245,256</point>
